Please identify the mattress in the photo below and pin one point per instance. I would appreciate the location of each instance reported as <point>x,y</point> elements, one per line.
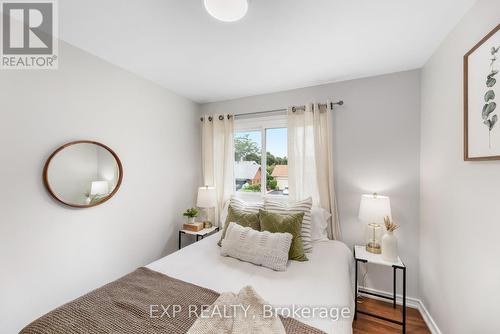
<point>322,284</point>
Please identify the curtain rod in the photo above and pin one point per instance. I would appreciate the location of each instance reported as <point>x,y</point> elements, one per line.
<point>294,109</point>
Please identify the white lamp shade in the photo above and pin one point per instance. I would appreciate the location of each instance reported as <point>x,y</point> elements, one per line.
<point>206,197</point>
<point>99,188</point>
<point>227,10</point>
<point>374,208</point>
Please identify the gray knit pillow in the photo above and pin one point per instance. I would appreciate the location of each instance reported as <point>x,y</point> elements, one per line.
<point>265,249</point>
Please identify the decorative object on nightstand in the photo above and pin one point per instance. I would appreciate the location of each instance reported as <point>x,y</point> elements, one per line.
<point>193,227</point>
<point>199,234</point>
<point>389,241</point>
<point>372,210</point>
<point>206,200</point>
<point>191,214</point>
<point>363,256</point>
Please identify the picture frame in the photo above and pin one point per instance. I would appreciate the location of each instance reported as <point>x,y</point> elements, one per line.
<point>482,98</point>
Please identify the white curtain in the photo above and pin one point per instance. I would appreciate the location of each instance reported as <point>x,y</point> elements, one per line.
<point>310,160</point>
<point>218,157</point>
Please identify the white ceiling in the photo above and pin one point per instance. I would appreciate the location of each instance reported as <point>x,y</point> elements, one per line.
<point>279,45</point>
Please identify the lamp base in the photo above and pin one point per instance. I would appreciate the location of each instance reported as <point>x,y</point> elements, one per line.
<point>374,248</point>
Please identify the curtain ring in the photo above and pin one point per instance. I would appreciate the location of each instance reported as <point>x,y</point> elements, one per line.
<point>294,109</point>
<point>221,118</point>
<point>229,116</point>
<point>210,118</point>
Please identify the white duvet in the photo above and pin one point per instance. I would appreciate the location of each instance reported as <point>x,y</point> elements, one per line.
<point>322,283</point>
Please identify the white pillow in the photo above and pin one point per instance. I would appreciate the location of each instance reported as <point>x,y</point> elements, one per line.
<point>241,205</point>
<point>223,214</point>
<point>261,248</point>
<point>319,223</point>
<point>299,206</point>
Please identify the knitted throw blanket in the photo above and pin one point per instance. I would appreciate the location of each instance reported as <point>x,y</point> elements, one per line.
<point>238,314</point>
<point>142,302</point>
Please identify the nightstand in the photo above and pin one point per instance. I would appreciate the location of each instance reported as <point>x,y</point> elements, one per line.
<point>199,235</point>
<point>362,255</point>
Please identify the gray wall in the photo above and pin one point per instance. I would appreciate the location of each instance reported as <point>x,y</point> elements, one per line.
<point>460,211</point>
<point>377,148</point>
<point>50,254</point>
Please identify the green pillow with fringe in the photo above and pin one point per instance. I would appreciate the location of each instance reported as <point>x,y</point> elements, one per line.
<point>291,223</point>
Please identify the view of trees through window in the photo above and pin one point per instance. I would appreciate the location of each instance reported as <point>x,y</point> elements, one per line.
<point>248,161</point>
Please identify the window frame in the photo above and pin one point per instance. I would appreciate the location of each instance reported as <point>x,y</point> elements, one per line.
<point>247,124</point>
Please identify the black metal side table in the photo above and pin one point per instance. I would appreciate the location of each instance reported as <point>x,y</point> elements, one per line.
<point>361,255</point>
<point>199,235</point>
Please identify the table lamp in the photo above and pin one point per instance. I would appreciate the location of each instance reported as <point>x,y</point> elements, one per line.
<point>99,188</point>
<point>372,210</point>
<point>206,199</point>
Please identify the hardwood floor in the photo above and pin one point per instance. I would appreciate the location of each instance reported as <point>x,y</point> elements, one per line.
<point>415,324</point>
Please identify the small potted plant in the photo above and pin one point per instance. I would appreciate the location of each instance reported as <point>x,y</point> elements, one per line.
<point>191,214</point>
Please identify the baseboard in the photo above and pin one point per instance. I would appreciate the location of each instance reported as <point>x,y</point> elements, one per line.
<point>428,319</point>
<point>410,302</point>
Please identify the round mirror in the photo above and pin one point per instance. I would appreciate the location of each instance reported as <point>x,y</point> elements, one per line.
<point>83,174</point>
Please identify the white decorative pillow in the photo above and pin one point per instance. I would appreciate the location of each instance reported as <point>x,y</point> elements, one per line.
<point>223,214</point>
<point>241,205</point>
<point>299,206</point>
<point>250,207</point>
<point>261,248</point>
<point>319,223</point>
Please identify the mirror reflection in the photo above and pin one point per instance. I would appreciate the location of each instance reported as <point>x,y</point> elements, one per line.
<point>83,174</point>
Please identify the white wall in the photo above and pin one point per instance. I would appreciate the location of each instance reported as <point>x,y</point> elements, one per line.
<point>460,211</point>
<point>50,254</point>
<point>377,149</point>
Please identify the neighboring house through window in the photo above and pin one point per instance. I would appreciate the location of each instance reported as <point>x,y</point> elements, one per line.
<point>258,142</point>
<point>280,174</point>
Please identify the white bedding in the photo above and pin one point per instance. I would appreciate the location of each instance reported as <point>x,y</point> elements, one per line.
<point>323,281</point>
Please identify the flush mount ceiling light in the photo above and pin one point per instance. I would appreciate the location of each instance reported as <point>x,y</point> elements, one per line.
<point>227,10</point>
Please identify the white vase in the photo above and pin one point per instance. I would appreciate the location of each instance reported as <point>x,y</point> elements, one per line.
<point>389,247</point>
<point>191,220</point>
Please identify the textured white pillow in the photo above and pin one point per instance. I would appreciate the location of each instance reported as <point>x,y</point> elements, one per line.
<point>261,248</point>
<point>223,214</point>
<point>241,205</point>
<point>299,206</point>
<point>319,223</point>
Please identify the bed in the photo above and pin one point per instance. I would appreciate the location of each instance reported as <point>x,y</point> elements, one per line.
<point>197,275</point>
<point>324,280</point>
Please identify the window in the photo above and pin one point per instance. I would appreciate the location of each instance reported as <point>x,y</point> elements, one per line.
<point>277,161</point>
<point>248,158</point>
<point>261,142</point>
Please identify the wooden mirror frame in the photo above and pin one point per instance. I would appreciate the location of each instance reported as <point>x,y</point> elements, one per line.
<point>52,193</point>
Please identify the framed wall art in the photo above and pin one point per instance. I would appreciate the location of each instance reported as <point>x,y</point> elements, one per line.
<point>481,99</point>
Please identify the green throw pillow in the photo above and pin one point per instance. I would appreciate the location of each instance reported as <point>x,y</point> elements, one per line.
<point>242,218</point>
<point>291,223</point>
